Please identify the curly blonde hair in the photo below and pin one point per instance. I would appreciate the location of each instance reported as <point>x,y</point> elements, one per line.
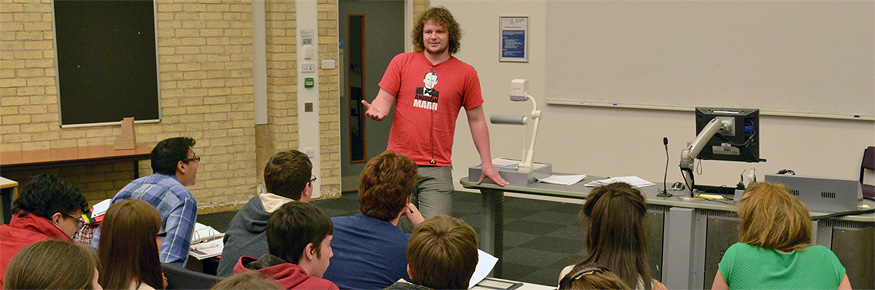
<point>440,16</point>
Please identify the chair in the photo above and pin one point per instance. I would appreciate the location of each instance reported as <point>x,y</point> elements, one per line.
<point>181,278</point>
<point>867,164</point>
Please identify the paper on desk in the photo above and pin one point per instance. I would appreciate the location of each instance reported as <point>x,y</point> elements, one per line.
<point>505,162</point>
<point>485,263</point>
<point>631,180</point>
<point>563,179</point>
<point>207,249</point>
<point>100,208</point>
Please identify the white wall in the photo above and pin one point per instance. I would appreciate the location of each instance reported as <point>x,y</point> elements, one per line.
<point>618,142</point>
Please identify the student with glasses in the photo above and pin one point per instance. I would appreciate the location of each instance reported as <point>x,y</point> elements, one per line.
<point>288,177</point>
<point>175,164</point>
<point>46,209</point>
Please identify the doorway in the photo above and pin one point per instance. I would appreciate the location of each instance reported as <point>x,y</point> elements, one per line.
<point>372,33</point>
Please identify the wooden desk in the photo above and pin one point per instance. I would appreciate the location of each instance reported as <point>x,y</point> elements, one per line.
<point>35,159</point>
<point>8,193</point>
<point>17,159</point>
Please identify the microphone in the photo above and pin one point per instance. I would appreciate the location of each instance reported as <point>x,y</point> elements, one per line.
<point>664,192</point>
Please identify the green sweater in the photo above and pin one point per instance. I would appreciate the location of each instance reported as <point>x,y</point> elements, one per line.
<point>747,267</point>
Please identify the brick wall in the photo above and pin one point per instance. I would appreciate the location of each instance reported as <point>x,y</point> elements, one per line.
<point>329,99</point>
<point>205,70</point>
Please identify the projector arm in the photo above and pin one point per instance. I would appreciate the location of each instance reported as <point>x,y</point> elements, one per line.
<point>689,154</point>
<point>526,165</point>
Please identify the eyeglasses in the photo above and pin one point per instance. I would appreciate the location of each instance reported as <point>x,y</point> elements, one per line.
<point>196,158</point>
<point>312,178</point>
<point>161,234</point>
<point>80,222</point>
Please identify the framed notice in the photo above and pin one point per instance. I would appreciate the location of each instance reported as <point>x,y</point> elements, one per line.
<point>514,44</point>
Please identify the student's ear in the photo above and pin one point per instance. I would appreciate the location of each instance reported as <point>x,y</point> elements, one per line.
<point>309,252</point>
<point>409,273</point>
<point>56,218</point>
<point>307,193</point>
<point>180,166</point>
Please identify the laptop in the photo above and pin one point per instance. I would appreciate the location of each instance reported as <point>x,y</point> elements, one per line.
<point>822,194</point>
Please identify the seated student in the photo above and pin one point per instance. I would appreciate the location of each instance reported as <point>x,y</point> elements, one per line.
<point>442,254</point>
<point>299,241</point>
<point>591,277</point>
<point>52,264</point>
<point>287,177</point>
<point>249,280</point>
<point>616,235</point>
<point>175,165</point>
<point>369,248</point>
<point>774,249</point>
<point>129,243</point>
<point>47,208</point>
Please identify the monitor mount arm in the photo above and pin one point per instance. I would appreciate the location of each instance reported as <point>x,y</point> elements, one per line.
<point>689,154</point>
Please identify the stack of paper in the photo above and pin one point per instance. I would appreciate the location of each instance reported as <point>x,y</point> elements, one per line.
<point>635,181</point>
<point>505,162</point>
<point>563,179</point>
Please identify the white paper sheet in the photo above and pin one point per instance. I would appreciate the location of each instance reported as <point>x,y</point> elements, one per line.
<point>100,208</point>
<point>631,180</point>
<point>505,162</point>
<point>484,265</point>
<point>563,179</point>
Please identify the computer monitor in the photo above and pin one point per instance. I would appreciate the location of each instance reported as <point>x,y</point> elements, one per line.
<point>740,142</point>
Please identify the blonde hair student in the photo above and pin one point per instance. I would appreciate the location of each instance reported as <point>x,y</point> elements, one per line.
<point>249,280</point>
<point>774,248</point>
<point>52,264</point>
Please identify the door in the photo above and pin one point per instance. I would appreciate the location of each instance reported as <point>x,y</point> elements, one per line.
<point>372,33</point>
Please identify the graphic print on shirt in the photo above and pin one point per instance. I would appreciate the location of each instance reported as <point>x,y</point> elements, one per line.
<point>427,96</point>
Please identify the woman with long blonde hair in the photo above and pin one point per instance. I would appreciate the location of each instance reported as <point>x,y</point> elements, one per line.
<point>774,249</point>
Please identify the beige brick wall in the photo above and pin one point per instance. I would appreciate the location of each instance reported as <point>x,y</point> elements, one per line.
<point>205,70</point>
<point>329,99</point>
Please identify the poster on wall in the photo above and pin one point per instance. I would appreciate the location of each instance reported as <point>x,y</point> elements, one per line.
<point>514,31</point>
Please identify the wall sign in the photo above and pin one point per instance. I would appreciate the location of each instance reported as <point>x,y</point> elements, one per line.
<point>514,38</point>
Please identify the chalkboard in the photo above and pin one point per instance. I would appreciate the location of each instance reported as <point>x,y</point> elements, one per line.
<point>107,61</point>
<point>792,56</point>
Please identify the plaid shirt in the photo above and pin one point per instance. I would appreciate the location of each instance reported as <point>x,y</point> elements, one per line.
<point>178,211</point>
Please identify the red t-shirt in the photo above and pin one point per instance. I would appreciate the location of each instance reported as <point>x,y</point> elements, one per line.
<point>427,102</point>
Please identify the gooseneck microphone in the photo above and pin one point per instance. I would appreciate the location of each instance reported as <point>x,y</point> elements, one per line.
<point>664,192</point>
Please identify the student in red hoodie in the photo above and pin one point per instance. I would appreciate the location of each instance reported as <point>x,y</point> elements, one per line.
<point>48,208</point>
<point>299,241</point>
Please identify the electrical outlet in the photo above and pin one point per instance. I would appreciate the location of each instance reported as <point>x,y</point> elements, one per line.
<point>308,67</point>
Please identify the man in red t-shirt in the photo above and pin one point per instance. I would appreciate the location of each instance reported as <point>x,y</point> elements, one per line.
<point>428,88</point>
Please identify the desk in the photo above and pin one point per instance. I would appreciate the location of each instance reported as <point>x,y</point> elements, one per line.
<point>20,159</point>
<point>8,193</point>
<point>688,238</point>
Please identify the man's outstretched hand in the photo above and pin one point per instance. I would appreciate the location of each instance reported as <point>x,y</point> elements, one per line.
<point>372,111</point>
